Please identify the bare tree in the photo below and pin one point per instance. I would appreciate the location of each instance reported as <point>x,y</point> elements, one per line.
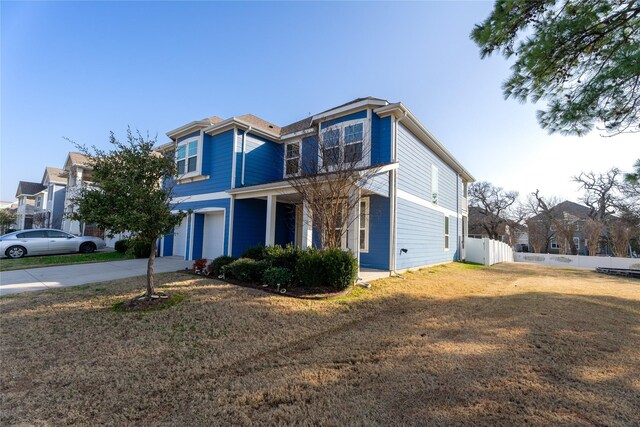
<point>593,230</point>
<point>541,223</point>
<point>494,205</point>
<point>40,219</point>
<point>565,227</point>
<point>620,233</point>
<point>601,192</point>
<point>328,171</point>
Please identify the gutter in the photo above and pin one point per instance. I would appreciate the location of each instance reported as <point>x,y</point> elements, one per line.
<point>244,153</point>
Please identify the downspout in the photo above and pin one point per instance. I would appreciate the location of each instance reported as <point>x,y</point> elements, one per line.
<point>458,216</point>
<point>244,153</point>
<point>393,195</point>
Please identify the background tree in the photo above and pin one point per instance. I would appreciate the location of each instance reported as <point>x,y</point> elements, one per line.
<point>131,193</point>
<point>494,205</point>
<point>541,223</point>
<point>328,174</point>
<point>7,219</point>
<point>565,227</point>
<point>581,56</point>
<point>592,231</point>
<point>601,192</point>
<point>40,219</point>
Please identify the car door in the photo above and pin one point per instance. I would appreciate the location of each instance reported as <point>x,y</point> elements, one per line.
<point>61,242</point>
<point>35,241</point>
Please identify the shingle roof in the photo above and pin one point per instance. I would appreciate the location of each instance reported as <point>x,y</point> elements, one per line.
<point>55,175</point>
<point>261,124</point>
<point>79,159</point>
<point>30,188</point>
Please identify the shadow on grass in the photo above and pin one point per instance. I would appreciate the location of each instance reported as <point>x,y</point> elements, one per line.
<point>231,355</point>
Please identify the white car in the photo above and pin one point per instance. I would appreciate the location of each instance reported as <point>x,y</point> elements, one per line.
<point>45,241</point>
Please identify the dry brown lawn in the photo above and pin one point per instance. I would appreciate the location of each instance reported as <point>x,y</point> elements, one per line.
<point>509,345</point>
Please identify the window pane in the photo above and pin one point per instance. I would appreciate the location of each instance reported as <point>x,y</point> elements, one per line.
<point>57,234</point>
<point>446,242</point>
<point>330,138</point>
<point>331,156</point>
<point>363,214</point>
<point>180,167</point>
<point>353,153</point>
<point>193,162</point>
<point>193,148</point>
<point>41,234</point>
<point>182,152</point>
<point>362,239</point>
<point>353,133</point>
<point>293,150</point>
<point>292,166</point>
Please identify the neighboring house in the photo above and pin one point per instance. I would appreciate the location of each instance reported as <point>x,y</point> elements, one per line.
<point>28,196</point>
<point>510,232</point>
<point>49,203</point>
<point>566,213</point>
<point>10,207</point>
<point>234,180</point>
<point>78,172</point>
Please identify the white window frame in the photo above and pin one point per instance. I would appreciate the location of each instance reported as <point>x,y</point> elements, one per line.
<point>576,241</point>
<point>185,143</point>
<point>553,243</point>
<point>434,184</point>
<point>38,201</point>
<point>340,127</point>
<point>284,169</point>
<point>447,232</point>
<point>364,227</point>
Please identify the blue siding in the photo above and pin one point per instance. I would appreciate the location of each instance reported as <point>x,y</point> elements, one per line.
<point>198,235</point>
<point>378,255</point>
<point>216,163</point>
<point>414,175</point>
<point>354,116</point>
<point>238,155</point>
<point>167,248</point>
<point>309,153</point>
<point>264,161</point>
<point>57,213</point>
<point>191,135</point>
<point>249,224</point>
<point>421,232</point>
<point>380,140</point>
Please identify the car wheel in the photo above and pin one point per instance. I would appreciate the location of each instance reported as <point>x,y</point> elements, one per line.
<point>87,248</point>
<point>16,252</point>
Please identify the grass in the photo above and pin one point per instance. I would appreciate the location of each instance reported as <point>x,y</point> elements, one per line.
<point>51,260</point>
<point>167,303</point>
<point>513,344</point>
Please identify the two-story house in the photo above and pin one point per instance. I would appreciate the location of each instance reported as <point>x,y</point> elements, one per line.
<point>78,172</point>
<point>28,196</point>
<point>235,178</point>
<point>49,203</point>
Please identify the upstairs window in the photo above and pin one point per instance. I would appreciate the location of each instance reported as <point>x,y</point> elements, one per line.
<point>331,147</point>
<point>353,140</point>
<point>38,201</point>
<point>187,157</point>
<point>292,162</point>
<point>434,184</point>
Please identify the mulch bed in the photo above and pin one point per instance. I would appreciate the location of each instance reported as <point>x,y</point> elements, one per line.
<point>322,292</point>
<point>141,303</point>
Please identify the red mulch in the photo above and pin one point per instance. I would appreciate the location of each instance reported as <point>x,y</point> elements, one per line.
<point>321,292</point>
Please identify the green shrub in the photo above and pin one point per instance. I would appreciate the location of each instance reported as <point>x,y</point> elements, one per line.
<point>139,248</point>
<point>254,252</point>
<point>341,268</point>
<point>286,257</point>
<point>215,268</point>
<point>121,245</point>
<point>310,268</point>
<point>246,270</point>
<point>274,276</point>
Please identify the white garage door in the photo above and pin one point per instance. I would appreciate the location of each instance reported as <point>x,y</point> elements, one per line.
<point>213,235</point>
<point>180,239</point>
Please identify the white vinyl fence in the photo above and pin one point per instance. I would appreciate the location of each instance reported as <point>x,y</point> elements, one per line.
<point>578,261</point>
<point>488,252</point>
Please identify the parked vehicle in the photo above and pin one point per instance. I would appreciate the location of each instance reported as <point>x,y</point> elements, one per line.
<point>46,241</point>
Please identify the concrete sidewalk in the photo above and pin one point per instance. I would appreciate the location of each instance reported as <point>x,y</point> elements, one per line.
<point>36,279</point>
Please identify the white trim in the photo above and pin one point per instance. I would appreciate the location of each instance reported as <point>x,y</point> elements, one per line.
<point>201,197</point>
<point>426,203</point>
<point>191,225</point>
<point>446,238</point>
<point>198,172</point>
<point>367,224</point>
<point>233,158</point>
<point>187,129</point>
<point>340,127</point>
<point>298,134</point>
<point>233,121</point>
<point>284,166</point>
<point>208,210</point>
<point>341,111</point>
<point>232,204</point>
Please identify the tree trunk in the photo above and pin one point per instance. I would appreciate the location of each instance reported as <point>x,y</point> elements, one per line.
<point>152,257</point>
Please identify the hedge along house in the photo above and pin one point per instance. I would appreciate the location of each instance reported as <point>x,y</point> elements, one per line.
<point>235,177</point>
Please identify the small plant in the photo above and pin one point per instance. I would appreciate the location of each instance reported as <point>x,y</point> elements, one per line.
<point>274,276</point>
<point>286,257</point>
<point>216,266</point>
<point>121,245</point>
<point>310,268</point>
<point>200,265</point>
<point>247,270</point>
<point>139,248</point>
<point>254,252</point>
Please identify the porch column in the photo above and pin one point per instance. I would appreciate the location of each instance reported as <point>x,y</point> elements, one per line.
<point>307,227</point>
<point>353,235</point>
<point>270,236</point>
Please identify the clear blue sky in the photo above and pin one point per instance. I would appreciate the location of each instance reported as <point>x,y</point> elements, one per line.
<point>81,69</point>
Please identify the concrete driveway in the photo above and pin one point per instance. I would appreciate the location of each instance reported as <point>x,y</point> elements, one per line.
<point>36,279</point>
